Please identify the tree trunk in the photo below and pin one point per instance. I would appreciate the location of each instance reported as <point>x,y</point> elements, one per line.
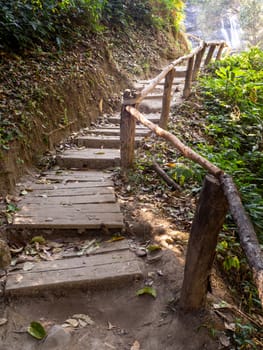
<point>209,218</point>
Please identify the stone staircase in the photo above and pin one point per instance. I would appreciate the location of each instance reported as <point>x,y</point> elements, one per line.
<point>80,197</point>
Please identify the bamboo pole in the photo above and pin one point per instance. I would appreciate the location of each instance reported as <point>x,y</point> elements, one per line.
<point>188,77</point>
<point>185,150</point>
<point>167,96</point>
<point>209,218</point>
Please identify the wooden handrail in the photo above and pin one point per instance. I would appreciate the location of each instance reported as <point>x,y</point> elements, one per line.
<point>248,237</point>
<point>154,82</point>
<point>185,150</point>
<point>140,96</point>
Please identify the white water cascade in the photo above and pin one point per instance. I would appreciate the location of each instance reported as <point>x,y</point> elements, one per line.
<point>230,30</point>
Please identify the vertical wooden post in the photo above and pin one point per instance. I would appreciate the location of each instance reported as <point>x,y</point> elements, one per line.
<point>167,95</point>
<point>219,52</point>
<point>127,133</point>
<point>210,54</point>
<point>208,220</point>
<point>198,61</point>
<point>188,78</point>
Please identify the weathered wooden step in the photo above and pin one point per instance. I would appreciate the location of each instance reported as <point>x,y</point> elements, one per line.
<point>154,118</point>
<point>107,268</point>
<point>94,158</point>
<point>111,131</point>
<point>102,141</point>
<point>73,203</point>
<point>92,178</point>
<point>143,83</point>
<point>69,216</point>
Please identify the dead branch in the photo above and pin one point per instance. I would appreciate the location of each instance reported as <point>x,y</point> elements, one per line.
<point>166,177</point>
<point>185,150</point>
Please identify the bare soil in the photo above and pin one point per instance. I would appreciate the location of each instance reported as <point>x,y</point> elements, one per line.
<point>120,317</point>
<point>122,320</point>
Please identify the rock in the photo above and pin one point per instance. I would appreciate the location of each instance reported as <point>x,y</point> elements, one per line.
<point>58,339</point>
<point>141,251</point>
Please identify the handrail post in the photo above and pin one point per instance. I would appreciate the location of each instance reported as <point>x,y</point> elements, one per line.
<point>188,78</point>
<point>210,54</point>
<point>220,51</point>
<point>198,61</point>
<point>127,133</point>
<point>167,95</point>
<point>209,218</point>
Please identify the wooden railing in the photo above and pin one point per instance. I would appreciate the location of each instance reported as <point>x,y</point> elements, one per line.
<point>218,194</point>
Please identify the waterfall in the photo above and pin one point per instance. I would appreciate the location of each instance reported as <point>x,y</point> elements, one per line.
<point>225,33</point>
<point>230,30</point>
<point>235,32</point>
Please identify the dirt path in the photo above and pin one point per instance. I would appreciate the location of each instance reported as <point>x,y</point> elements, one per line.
<point>101,315</point>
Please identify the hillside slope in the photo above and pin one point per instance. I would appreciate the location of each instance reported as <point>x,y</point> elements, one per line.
<point>46,95</point>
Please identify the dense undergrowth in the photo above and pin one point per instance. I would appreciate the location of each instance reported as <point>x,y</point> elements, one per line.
<point>232,93</point>
<point>61,60</point>
<point>43,24</point>
<point>223,121</point>
<point>49,28</point>
<point>233,97</point>
<point>230,135</point>
<point>232,126</point>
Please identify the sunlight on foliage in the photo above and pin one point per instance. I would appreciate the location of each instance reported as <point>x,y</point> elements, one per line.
<point>233,92</point>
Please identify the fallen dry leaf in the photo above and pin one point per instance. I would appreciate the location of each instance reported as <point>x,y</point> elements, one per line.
<point>3,321</point>
<point>28,266</point>
<point>110,326</point>
<point>72,322</point>
<point>84,318</point>
<point>136,345</point>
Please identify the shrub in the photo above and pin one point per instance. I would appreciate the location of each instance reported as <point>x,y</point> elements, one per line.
<point>31,23</point>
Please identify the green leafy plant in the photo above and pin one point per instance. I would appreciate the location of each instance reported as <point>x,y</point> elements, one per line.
<point>244,336</point>
<point>147,290</point>
<point>233,97</point>
<point>36,330</point>
<point>31,23</point>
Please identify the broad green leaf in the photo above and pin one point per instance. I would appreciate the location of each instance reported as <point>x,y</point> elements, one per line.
<point>147,290</point>
<point>36,330</point>
<point>38,239</point>
<point>153,248</point>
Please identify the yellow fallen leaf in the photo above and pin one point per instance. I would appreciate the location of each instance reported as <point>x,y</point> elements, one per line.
<point>136,345</point>
<point>171,165</point>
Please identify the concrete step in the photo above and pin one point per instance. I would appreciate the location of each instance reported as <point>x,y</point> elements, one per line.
<point>102,141</point>
<point>95,158</point>
<point>108,267</point>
